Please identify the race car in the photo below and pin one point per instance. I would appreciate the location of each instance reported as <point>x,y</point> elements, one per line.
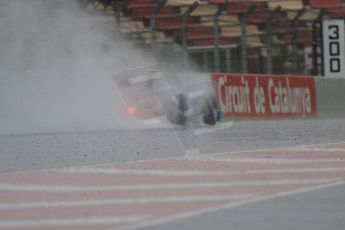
<point>152,94</point>
<point>184,110</point>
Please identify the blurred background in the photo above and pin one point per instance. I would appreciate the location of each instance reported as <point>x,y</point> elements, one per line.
<point>271,36</point>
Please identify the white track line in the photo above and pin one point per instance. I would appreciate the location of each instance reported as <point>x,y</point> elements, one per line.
<point>191,152</point>
<point>312,149</point>
<point>266,160</point>
<point>72,189</point>
<point>300,147</point>
<point>173,158</point>
<point>154,222</point>
<point>185,173</point>
<point>156,120</point>
<point>69,222</point>
<point>103,202</point>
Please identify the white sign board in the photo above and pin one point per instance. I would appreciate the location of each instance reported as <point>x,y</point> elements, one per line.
<point>334,48</point>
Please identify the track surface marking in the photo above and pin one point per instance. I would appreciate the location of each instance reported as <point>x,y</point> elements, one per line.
<point>135,194</point>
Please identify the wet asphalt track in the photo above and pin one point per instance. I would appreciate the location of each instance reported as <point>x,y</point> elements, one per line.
<point>313,210</point>
<point>44,151</point>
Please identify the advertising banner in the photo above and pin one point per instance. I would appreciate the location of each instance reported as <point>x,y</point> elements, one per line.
<point>265,96</point>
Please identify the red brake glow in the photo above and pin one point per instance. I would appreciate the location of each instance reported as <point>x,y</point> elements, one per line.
<point>131,110</point>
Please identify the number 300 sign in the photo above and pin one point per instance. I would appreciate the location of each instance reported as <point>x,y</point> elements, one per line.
<point>333,48</point>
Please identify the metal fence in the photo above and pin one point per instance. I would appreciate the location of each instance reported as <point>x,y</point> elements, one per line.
<point>286,42</point>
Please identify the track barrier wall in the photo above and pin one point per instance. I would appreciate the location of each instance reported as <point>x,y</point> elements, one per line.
<point>330,94</point>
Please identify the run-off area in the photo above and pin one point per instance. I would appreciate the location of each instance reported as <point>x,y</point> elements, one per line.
<point>135,194</point>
